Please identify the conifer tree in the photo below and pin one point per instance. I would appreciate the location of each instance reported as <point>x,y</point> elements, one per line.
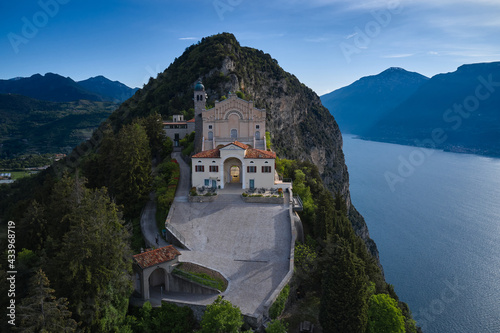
<point>41,311</point>
<point>92,266</point>
<point>343,306</point>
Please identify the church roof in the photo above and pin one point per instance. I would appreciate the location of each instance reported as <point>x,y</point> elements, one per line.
<point>199,86</point>
<point>249,152</point>
<point>156,257</point>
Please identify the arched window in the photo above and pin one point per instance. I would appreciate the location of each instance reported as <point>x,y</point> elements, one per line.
<point>234,133</point>
<point>210,135</point>
<point>257,135</point>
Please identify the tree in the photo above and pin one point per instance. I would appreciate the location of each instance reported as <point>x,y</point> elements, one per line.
<point>169,318</point>
<point>221,316</point>
<point>41,311</point>
<point>343,305</point>
<point>384,315</point>
<point>276,326</point>
<point>131,173</point>
<point>92,266</point>
<point>161,145</point>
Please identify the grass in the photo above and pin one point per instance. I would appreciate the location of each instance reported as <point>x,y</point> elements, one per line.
<point>161,217</point>
<point>17,174</point>
<point>201,278</point>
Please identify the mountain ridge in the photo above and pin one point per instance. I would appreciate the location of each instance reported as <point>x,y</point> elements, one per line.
<point>57,88</point>
<point>363,103</point>
<point>461,105</point>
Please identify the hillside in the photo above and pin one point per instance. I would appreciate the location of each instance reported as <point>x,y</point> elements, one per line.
<point>456,111</point>
<point>362,104</point>
<point>28,125</point>
<point>56,88</point>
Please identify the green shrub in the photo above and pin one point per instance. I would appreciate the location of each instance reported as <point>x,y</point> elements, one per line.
<point>279,304</point>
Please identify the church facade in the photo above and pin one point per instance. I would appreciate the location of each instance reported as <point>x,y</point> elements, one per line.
<point>231,144</point>
<point>229,120</point>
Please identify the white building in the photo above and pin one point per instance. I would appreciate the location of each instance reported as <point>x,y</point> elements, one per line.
<point>234,163</point>
<point>178,128</point>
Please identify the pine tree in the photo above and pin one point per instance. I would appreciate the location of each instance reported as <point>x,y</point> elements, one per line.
<point>343,306</point>
<point>92,266</point>
<point>41,311</point>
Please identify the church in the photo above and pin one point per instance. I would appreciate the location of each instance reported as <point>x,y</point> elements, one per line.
<point>230,143</point>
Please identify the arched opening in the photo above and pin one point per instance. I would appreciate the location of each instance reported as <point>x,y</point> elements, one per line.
<point>157,278</point>
<point>235,174</point>
<point>210,136</point>
<point>233,170</point>
<point>257,135</point>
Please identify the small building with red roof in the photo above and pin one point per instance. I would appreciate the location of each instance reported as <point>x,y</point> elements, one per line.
<point>153,268</point>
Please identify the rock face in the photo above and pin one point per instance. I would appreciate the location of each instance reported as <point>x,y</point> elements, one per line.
<point>299,125</point>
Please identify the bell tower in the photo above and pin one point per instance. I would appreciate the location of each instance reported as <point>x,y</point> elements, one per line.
<point>200,99</point>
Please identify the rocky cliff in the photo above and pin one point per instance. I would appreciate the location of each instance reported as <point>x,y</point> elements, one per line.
<point>300,126</point>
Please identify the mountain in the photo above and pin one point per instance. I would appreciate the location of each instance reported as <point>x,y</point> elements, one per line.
<point>56,88</point>
<point>457,111</point>
<point>362,104</point>
<point>112,90</point>
<point>300,126</point>
<point>49,87</point>
<point>28,125</point>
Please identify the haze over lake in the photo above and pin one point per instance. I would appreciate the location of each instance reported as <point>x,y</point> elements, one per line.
<point>437,229</point>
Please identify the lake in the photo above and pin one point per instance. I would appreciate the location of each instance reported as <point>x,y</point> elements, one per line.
<point>435,217</point>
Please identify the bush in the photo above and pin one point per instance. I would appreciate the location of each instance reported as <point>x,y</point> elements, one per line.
<point>279,304</point>
<point>276,326</point>
<point>193,192</point>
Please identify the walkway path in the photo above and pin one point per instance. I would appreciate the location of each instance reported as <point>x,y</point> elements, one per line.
<point>148,224</point>
<point>148,217</point>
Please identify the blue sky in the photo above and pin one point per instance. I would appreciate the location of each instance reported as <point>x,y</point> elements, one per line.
<point>327,44</point>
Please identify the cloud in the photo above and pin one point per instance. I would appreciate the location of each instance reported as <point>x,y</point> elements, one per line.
<point>403,55</point>
<point>188,38</point>
<point>316,39</point>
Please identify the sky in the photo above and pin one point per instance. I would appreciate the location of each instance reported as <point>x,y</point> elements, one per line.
<point>327,44</point>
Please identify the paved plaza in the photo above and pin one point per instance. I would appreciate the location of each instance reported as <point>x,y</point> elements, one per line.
<point>249,243</point>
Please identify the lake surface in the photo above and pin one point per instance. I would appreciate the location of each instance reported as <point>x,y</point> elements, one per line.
<point>435,217</point>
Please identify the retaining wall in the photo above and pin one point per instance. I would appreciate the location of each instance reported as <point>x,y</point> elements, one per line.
<point>269,200</point>
<point>202,198</point>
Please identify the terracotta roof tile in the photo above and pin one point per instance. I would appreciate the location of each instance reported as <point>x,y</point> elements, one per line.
<point>257,153</point>
<point>249,152</point>
<point>238,144</point>
<point>155,257</point>
<point>191,120</point>
<point>212,153</point>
